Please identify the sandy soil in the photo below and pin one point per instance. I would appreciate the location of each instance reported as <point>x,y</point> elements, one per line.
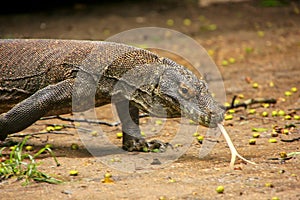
<point>265,42</point>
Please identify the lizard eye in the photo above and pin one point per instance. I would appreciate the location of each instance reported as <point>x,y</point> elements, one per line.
<point>185,91</point>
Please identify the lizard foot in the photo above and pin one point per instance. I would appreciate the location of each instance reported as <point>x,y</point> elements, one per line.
<point>157,144</point>
<point>140,144</point>
<point>134,144</point>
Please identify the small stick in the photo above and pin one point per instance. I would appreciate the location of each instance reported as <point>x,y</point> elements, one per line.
<point>40,133</point>
<point>296,109</point>
<point>117,123</point>
<point>248,102</point>
<point>81,120</point>
<point>291,140</point>
<point>233,150</point>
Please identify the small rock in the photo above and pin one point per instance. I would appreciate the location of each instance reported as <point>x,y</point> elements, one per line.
<point>66,192</point>
<point>156,162</point>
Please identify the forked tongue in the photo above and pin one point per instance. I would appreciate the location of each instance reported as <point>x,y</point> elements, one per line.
<point>233,150</point>
<point>211,140</point>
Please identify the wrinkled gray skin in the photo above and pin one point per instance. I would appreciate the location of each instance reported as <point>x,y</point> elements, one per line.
<point>41,78</point>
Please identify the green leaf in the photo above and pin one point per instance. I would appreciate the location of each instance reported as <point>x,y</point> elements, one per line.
<point>23,165</point>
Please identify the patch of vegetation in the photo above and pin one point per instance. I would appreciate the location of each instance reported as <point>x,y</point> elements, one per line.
<point>22,165</point>
<point>273,3</point>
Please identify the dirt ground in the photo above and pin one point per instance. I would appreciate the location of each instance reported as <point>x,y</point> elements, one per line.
<point>265,42</point>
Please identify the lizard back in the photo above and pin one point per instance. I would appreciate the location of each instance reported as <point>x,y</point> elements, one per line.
<point>27,65</point>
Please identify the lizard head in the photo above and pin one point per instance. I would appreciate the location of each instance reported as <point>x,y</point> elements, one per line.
<point>188,95</point>
<point>166,89</point>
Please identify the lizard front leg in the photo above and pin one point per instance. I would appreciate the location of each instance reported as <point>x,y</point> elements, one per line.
<point>132,138</point>
<point>129,117</point>
<point>34,107</point>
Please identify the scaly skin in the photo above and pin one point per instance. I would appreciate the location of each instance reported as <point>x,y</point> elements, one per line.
<point>41,78</point>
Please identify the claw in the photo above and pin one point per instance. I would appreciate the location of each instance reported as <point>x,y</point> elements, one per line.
<point>156,144</point>
<point>134,144</point>
<point>139,144</point>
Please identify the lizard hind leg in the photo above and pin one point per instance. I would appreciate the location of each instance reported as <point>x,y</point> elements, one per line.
<point>34,107</point>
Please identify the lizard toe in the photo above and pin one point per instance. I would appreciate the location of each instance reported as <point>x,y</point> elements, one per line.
<point>134,144</point>
<point>157,144</point>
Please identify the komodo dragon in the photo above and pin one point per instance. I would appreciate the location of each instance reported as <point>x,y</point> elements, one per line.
<point>38,78</point>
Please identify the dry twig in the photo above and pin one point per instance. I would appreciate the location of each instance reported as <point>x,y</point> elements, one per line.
<point>248,102</point>
<point>40,133</point>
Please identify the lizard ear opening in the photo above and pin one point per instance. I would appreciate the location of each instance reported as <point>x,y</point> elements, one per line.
<point>185,91</point>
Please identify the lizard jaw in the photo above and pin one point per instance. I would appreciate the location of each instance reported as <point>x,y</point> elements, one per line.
<point>205,118</point>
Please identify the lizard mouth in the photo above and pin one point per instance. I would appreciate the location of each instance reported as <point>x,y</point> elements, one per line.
<point>216,118</point>
<point>210,120</point>
<point>206,118</point>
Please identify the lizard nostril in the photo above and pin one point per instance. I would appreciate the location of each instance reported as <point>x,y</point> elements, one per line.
<point>216,116</point>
